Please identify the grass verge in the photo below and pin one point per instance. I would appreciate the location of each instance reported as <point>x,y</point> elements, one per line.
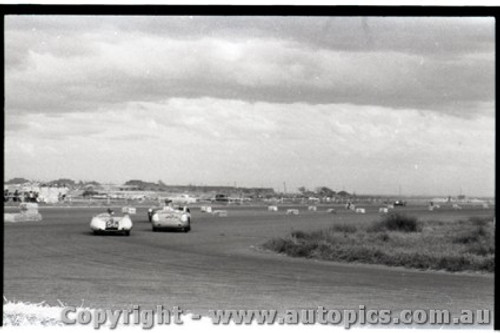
<point>33,314</point>
<point>399,240</point>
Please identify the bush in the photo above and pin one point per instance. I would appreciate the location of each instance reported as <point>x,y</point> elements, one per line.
<point>480,221</point>
<point>481,249</point>
<point>463,245</point>
<point>299,234</point>
<point>291,247</point>
<point>277,244</point>
<point>467,238</point>
<point>347,228</point>
<point>88,193</point>
<point>474,235</point>
<point>397,222</point>
<point>384,237</point>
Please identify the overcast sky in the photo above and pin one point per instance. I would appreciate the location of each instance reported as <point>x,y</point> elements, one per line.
<point>361,104</point>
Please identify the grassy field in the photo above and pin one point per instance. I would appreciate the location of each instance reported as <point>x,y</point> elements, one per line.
<point>399,240</point>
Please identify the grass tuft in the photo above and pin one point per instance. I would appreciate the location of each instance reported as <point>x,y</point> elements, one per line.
<point>398,240</point>
<point>397,222</point>
<point>347,228</point>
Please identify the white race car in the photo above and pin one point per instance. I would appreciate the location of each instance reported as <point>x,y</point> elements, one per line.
<point>171,218</point>
<point>108,223</point>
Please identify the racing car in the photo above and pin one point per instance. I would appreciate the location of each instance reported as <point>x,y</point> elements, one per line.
<point>400,203</point>
<point>171,218</point>
<point>108,223</point>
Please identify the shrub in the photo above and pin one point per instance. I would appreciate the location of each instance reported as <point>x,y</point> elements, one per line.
<point>384,237</point>
<point>481,249</point>
<point>471,236</point>
<point>305,249</point>
<point>453,263</point>
<point>277,244</point>
<point>299,234</point>
<point>88,193</point>
<point>396,222</point>
<point>480,221</point>
<point>347,228</point>
<point>463,245</point>
<point>291,247</point>
<point>466,238</point>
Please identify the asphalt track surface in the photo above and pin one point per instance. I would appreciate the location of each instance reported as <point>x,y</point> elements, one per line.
<point>216,266</point>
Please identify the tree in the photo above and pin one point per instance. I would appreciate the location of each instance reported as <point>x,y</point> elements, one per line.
<point>161,185</point>
<point>61,181</point>
<point>325,192</point>
<point>88,193</point>
<point>18,181</point>
<point>142,185</point>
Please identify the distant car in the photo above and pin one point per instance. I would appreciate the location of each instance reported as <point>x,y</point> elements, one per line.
<point>170,218</point>
<point>400,203</point>
<point>108,223</point>
<point>220,198</point>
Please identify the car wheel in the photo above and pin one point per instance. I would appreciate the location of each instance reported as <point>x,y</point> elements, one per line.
<point>96,232</point>
<point>155,229</point>
<point>127,232</point>
<point>187,229</point>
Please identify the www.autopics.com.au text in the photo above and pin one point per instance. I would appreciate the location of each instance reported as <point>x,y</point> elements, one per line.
<point>148,318</point>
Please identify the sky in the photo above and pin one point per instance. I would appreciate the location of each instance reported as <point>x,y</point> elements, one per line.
<point>371,105</point>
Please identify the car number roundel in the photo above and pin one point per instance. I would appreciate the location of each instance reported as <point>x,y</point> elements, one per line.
<point>111,223</point>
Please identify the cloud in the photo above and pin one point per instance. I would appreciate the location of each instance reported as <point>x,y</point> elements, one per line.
<point>369,103</point>
<point>421,35</point>
<point>369,149</point>
<point>87,63</point>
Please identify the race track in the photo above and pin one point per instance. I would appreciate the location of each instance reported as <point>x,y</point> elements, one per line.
<point>215,266</point>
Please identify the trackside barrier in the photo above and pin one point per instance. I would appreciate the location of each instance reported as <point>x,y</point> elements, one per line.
<point>292,212</point>
<point>312,208</point>
<point>206,209</point>
<point>28,212</point>
<point>129,210</point>
<point>28,206</point>
<point>221,213</point>
<point>360,210</point>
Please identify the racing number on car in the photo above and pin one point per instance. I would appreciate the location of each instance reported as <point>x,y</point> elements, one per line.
<point>111,224</point>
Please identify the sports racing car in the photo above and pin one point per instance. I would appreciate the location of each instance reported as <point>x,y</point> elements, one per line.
<point>108,223</point>
<point>171,218</point>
